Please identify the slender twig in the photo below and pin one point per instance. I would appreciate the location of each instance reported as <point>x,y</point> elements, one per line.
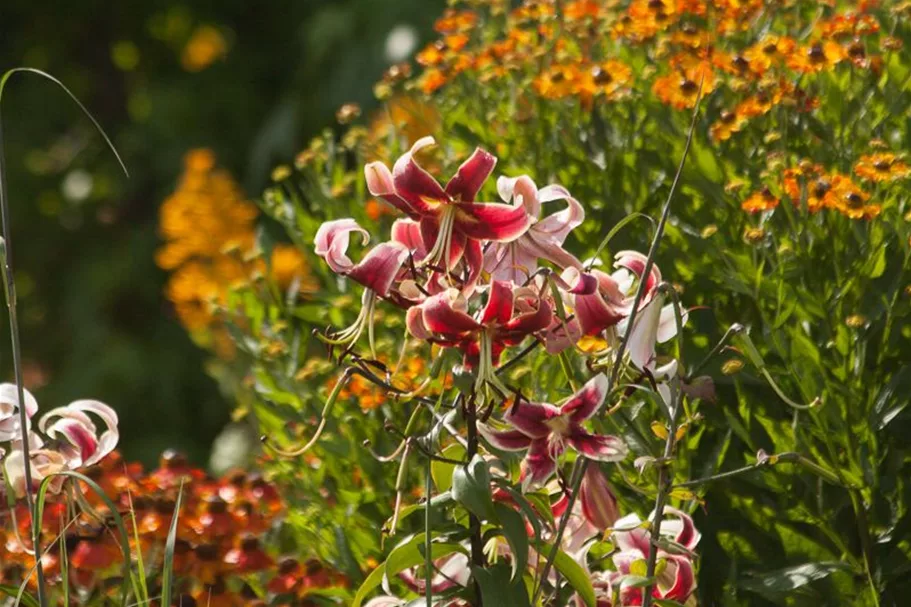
<point>474,523</point>
<point>732,331</point>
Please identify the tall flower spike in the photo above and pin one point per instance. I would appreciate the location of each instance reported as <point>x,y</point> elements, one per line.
<point>377,271</point>
<point>545,430</point>
<point>452,223</point>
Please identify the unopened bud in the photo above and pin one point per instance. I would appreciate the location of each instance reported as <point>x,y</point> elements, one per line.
<point>732,366</point>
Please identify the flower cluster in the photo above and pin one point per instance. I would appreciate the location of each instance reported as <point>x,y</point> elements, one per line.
<point>756,72</point>
<point>68,439</point>
<point>210,247</point>
<point>221,541</point>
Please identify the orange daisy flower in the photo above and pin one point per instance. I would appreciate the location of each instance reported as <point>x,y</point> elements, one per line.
<point>816,57</point>
<point>763,200</point>
<point>880,167</point>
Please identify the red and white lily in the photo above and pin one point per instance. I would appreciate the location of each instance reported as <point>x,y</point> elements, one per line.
<point>546,430</point>
<point>509,316</point>
<point>10,422</point>
<point>518,259</point>
<point>676,580</point>
<point>80,443</point>
<point>452,223</point>
<point>377,271</point>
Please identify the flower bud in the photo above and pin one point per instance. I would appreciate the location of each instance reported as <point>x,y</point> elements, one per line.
<point>599,506</point>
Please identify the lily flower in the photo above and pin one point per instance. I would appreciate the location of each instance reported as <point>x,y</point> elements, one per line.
<point>376,271</point>
<point>10,426</point>
<point>545,430</point>
<point>80,443</point>
<point>508,317</point>
<point>518,259</point>
<point>452,223</point>
<point>44,463</point>
<point>677,580</point>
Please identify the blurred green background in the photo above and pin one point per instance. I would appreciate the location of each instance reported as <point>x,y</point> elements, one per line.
<point>252,81</point>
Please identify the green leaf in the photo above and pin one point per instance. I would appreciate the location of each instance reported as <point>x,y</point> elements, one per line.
<point>791,578</point>
<point>514,531</point>
<point>498,588</point>
<point>576,576</point>
<point>167,571</point>
<point>471,488</point>
<point>442,471</point>
<point>13,592</point>
<point>405,555</point>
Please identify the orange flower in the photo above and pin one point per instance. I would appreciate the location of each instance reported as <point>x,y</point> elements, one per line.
<point>681,90</point>
<point>456,21</point>
<point>431,80</point>
<point>763,200</point>
<point>728,124</point>
<point>809,175</point>
<point>609,80</point>
<point>289,265</point>
<point>850,200</point>
<point>883,166</point>
<point>768,52</point>
<point>816,57</point>
<point>557,81</point>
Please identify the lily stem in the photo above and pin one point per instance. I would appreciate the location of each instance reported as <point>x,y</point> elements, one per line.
<point>474,523</point>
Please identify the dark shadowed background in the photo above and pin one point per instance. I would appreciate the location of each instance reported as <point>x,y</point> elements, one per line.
<point>252,81</point>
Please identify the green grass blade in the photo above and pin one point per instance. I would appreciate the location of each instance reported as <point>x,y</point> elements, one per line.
<point>23,599</point>
<point>167,570</point>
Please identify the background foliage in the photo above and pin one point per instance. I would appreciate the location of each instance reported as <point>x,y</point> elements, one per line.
<point>162,77</point>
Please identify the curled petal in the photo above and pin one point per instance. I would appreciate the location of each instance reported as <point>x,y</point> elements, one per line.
<point>540,462</point>
<point>531,418</point>
<point>499,304</point>
<point>562,335</point>
<point>378,269</point>
<point>681,529</point>
<point>630,536</point>
<point>10,429</point>
<point>598,447</point>
<point>595,314</point>
<point>507,440</point>
<point>599,505</point>
<point>557,227</point>
<point>467,181</point>
<point>523,325</point>
<point>380,184</point>
<point>74,425</point>
<point>408,232</point>
<point>586,402</point>
<point>445,313</point>
<point>573,281</point>
<point>684,579</point>
<point>635,261</point>
<point>416,186</point>
<point>520,190</point>
<point>414,321</point>
<point>44,463</point>
<point>332,240</point>
<point>491,221</point>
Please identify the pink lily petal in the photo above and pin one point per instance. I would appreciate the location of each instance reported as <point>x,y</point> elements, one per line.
<point>331,243</point>
<point>523,325</point>
<point>83,440</point>
<point>681,529</point>
<point>635,261</point>
<point>445,313</point>
<point>380,184</point>
<point>474,259</point>
<point>576,282</point>
<point>415,185</point>
<point>562,335</point>
<point>378,269</point>
<point>530,418</point>
<point>540,462</point>
<point>598,447</point>
<point>520,190</point>
<point>595,314</point>
<point>414,321</point>
<point>499,304</point>
<point>667,324</point>
<point>543,247</point>
<point>467,181</point>
<point>644,335</point>
<point>507,440</point>
<point>512,261</point>
<point>599,505</point>
<point>684,579</point>
<point>629,536</point>
<point>558,226</point>
<point>586,402</point>
<point>408,232</point>
<point>491,221</point>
